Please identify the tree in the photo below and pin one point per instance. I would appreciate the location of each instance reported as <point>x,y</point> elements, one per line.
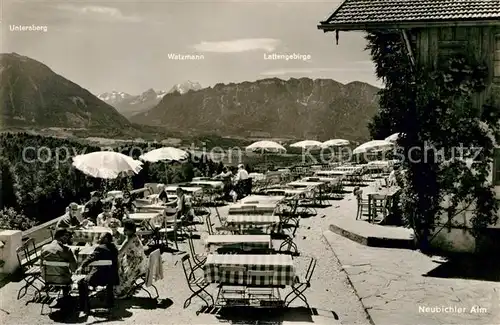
<point>9,196</point>
<point>436,111</point>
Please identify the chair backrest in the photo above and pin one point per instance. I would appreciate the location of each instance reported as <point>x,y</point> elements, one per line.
<point>379,197</point>
<point>191,243</point>
<point>27,253</point>
<point>187,267</point>
<point>51,271</point>
<point>101,263</point>
<point>208,221</point>
<point>310,269</point>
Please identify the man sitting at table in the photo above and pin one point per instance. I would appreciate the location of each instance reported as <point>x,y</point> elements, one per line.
<point>100,275</point>
<point>94,207</point>
<point>106,216</point>
<point>226,177</point>
<point>71,218</point>
<point>58,251</point>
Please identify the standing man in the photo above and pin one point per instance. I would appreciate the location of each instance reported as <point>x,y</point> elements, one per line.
<point>241,180</point>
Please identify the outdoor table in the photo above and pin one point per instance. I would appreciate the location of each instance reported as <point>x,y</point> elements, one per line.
<point>153,197</point>
<point>81,253</point>
<point>317,200</point>
<point>212,184</point>
<point>287,192</point>
<point>187,189</point>
<point>301,184</point>
<point>281,266</point>
<point>247,222</point>
<point>246,241</point>
<point>92,234</point>
<point>148,219</point>
<point>388,193</point>
<point>258,199</point>
<point>260,208</point>
<point>114,194</point>
<point>329,173</point>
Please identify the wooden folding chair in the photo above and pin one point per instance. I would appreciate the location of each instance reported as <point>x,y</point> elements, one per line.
<point>27,257</point>
<point>49,285</point>
<point>197,284</point>
<point>300,285</point>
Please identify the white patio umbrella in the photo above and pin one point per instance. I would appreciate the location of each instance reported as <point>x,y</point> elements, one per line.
<point>106,164</point>
<point>371,146</point>
<point>266,146</point>
<point>335,143</point>
<point>393,137</point>
<point>165,153</point>
<point>306,144</point>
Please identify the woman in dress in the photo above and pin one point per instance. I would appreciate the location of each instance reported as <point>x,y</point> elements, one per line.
<point>132,261</point>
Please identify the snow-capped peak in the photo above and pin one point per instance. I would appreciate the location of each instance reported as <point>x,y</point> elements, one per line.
<point>114,96</point>
<point>186,86</point>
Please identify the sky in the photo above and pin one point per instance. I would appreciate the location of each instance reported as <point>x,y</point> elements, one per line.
<point>130,45</point>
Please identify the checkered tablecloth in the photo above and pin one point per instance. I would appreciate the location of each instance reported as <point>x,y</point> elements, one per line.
<point>252,219</point>
<point>246,241</point>
<point>90,235</point>
<point>252,208</point>
<point>281,266</point>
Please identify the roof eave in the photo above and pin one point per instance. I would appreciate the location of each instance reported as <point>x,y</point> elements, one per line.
<point>329,27</point>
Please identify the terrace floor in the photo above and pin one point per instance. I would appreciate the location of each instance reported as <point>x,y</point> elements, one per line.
<point>353,284</point>
<point>331,296</point>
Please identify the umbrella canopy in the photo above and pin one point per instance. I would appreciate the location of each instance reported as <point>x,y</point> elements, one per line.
<point>393,137</point>
<point>106,164</point>
<point>306,144</point>
<point>371,146</point>
<point>165,153</point>
<point>269,146</point>
<point>335,143</point>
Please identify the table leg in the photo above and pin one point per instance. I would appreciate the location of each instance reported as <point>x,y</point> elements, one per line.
<point>369,208</point>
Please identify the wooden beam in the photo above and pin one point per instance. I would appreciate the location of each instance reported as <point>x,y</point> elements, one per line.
<point>327,27</point>
<point>409,50</point>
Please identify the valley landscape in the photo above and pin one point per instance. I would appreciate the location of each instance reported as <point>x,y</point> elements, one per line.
<point>35,97</point>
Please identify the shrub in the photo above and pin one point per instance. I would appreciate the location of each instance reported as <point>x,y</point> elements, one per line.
<point>11,219</point>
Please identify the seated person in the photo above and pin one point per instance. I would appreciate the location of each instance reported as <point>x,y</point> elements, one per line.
<point>106,217</point>
<point>58,251</point>
<point>118,210</point>
<point>118,237</point>
<point>71,218</point>
<point>132,261</point>
<point>162,193</point>
<point>100,275</point>
<point>93,208</point>
<point>128,202</point>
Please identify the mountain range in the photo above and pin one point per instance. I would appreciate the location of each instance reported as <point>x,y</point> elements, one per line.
<point>129,105</point>
<point>35,97</point>
<point>32,95</point>
<point>300,108</point>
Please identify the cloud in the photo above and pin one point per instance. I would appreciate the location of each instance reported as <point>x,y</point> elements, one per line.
<point>289,71</point>
<point>108,13</point>
<point>238,45</point>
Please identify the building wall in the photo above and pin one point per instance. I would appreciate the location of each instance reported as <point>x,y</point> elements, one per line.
<point>431,44</point>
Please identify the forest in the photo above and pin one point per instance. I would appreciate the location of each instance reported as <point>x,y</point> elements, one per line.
<point>38,181</point>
